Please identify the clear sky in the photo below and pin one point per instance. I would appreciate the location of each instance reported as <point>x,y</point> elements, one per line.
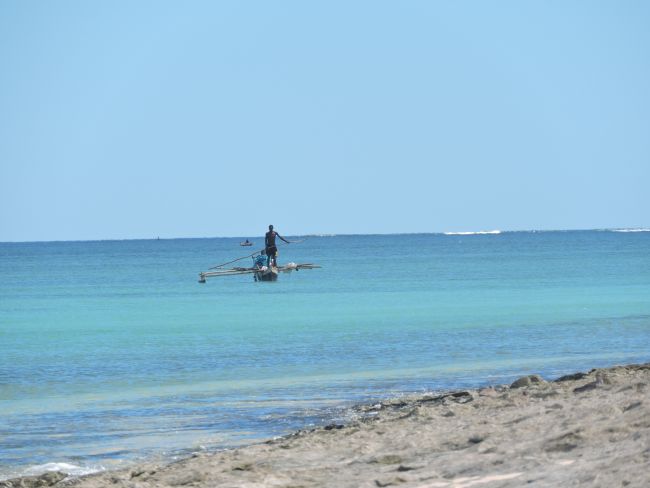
<point>137,119</point>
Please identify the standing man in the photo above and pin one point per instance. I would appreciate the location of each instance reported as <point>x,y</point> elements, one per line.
<point>270,248</point>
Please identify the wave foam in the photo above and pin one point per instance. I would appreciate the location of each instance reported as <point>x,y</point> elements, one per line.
<point>630,230</point>
<point>480,232</point>
<point>69,469</point>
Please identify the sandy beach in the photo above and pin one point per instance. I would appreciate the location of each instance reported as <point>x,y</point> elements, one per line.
<point>585,429</point>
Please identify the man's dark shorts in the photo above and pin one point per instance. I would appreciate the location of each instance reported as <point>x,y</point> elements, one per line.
<point>271,251</point>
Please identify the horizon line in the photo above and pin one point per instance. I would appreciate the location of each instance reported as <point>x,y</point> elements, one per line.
<point>333,234</point>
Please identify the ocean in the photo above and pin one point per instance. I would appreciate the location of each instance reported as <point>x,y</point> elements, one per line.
<point>111,352</point>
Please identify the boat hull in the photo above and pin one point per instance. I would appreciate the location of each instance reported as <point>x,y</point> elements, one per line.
<point>267,275</point>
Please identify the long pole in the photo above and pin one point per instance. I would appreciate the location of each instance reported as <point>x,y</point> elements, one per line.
<point>256,252</point>
<point>235,260</point>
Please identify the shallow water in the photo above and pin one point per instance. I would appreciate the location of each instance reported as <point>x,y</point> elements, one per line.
<point>111,351</point>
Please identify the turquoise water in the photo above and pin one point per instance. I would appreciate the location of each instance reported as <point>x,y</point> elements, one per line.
<point>111,351</point>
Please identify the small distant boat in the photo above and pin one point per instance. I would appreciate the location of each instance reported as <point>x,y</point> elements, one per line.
<point>246,243</point>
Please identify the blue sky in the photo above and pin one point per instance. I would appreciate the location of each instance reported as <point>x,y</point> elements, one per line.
<point>186,119</point>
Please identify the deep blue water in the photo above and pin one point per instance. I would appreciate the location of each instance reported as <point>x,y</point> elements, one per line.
<point>111,351</point>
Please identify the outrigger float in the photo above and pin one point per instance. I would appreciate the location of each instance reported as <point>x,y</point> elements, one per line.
<point>259,270</point>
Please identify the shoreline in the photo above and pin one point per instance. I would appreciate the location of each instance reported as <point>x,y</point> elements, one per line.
<point>590,429</point>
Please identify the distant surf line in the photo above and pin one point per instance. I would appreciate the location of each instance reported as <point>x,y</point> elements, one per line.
<point>631,230</point>
<point>470,233</point>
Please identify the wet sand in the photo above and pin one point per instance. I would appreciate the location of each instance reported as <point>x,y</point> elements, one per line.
<point>586,429</point>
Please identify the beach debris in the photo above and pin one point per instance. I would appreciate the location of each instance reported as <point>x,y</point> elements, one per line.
<point>632,406</point>
<point>404,403</point>
<point>137,472</point>
<point>549,392</point>
<point>588,387</point>
<point>488,392</point>
<point>390,481</point>
<point>187,478</point>
<point>564,443</point>
<point>637,367</point>
<point>41,481</point>
<point>531,379</point>
<point>602,379</point>
<point>388,459</point>
<point>571,377</point>
<point>456,397</point>
<point>466,482</point>
<point>476,439</point>
<point>142,473</point>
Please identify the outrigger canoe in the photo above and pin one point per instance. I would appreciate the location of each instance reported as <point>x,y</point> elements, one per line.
<point>260,269</point>
<point>260,273</point>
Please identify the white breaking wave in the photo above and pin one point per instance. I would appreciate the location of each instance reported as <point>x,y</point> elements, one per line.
<point>67,468</point>
<point>630,230</point>
<point>480,232</point>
